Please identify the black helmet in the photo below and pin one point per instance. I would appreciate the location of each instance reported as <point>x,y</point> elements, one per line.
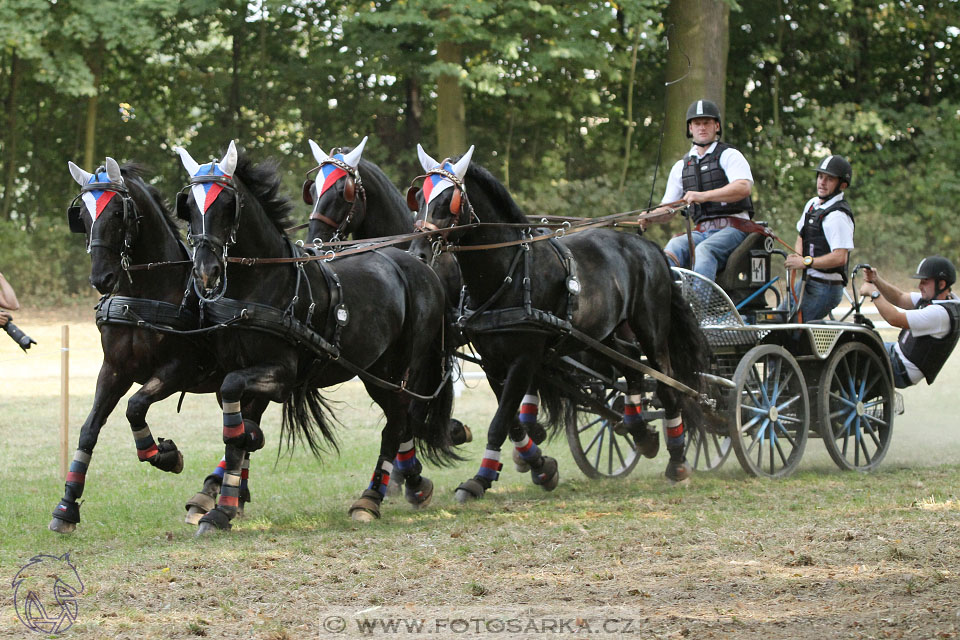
<point>838,167</point>
<point>703,109</point>
<point>936,268</point>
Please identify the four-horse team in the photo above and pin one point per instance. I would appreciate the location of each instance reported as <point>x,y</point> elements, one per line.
<point>391,289</point>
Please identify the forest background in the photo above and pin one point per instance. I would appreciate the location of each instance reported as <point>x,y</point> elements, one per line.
<point>565,102</point>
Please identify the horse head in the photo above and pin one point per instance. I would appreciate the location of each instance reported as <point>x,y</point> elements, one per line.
<point>442,202</point>
<point>337,196</point>
<point>211,205</point>
<point>109,219</point>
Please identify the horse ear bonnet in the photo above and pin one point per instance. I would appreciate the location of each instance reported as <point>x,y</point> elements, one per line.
<point>75,219</point>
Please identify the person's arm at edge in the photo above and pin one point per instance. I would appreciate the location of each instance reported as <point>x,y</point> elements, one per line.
<point>8,299</point>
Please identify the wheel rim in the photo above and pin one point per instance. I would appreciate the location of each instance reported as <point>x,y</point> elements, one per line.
<point>706,451</point>
<point>770,412</point>
<point>597,448</point>
<point>856,408</point>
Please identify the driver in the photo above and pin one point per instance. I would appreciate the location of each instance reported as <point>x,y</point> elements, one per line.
<point>825,240</point>
<point>930,326</point>
<point>715,180</point>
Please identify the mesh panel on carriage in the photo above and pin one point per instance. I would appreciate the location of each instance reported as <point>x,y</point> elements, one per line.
<point>713,309</point>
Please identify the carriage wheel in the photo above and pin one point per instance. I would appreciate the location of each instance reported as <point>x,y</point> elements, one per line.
<point>770,412</point>
<point>706,451</point>
<point>856,407</point>
<point>597,447</point>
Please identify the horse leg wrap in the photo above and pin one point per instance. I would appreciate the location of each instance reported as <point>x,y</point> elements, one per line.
<point>233,431</point>
<point>168,457</point>
<point>253,436</point>
<point>675,438</point>
<point>229,495</point>
<point>369,502</point>
<point>546,474</point>
<point>244,487</point>
<point>218,518</point>
<point>147,449</point>
<point>525,453</point>
<point>529,411</point>
<point>76,476</point>
<point>381,478</point>
<point>490,467</point>
<point>647,439</point>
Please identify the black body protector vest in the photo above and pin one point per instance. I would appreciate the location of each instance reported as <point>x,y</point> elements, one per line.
<point>812,236</point>
<point>706,175</point>
<point>927,353</point>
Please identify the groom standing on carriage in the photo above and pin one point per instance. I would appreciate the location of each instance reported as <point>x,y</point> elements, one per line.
<point>714,180</point>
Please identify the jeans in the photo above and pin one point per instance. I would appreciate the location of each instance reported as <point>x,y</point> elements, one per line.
<point>819,299</point>
<point>900,378</point>
<point>712,249</point>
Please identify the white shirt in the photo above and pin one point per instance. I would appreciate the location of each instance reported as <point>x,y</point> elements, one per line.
<point>734,165</point>
<point>932,320</point>
<point>837,227</point>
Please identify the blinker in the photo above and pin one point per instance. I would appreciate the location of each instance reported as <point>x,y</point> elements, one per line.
<point>455,202</point>
<point>181,207</point>
<point>75,219</point>
<point>412,203</point>
<point>307,191</point>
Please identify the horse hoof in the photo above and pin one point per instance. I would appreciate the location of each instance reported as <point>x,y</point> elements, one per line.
<point>421,495</point>
<point>362,515</point>
<point>459,432</point>
<point>521,465</point>
<point>648,443</point>
<point>469,490</point>
<point>61,526</point>
<point>206,529</point>
<point>193,515</point>
<point>177,468</point>
<point>678,473</point>
<point>548,475</point>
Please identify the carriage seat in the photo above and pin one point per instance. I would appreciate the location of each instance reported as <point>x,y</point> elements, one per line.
<point>747,269</point>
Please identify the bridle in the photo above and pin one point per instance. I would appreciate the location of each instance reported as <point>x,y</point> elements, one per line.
<point>458,201</point>
<point>219,248</point>
<point>130,221</point>
<point>352,187</point>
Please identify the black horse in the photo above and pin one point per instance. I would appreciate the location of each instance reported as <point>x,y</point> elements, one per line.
<point>612,287</point>
<point>128,225</point>
<point>296,326</point>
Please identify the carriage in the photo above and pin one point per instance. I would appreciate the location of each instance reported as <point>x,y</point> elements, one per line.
<point>776,383</point>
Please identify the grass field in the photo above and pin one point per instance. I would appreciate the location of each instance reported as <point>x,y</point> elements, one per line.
<point>823,554</point>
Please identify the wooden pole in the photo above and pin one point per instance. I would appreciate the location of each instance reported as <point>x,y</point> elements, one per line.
<point>64,397</point>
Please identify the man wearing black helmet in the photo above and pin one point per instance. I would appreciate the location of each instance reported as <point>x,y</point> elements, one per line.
<point>715,180</point>
<point>930,326</point>
<point>825,239</point>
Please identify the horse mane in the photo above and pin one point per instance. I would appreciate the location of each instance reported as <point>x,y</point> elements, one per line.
<point>133,173</point>
<point>263,182</point>
<point>501,199</point>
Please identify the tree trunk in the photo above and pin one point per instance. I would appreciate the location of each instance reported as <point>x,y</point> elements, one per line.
<point>451,126</point>
<point>10,136</point>
<point>90,127</point>
<point>239,25</point>
<point>701,32</point>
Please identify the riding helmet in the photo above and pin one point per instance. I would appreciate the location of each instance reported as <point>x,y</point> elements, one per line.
<point>936,268</point>
<point>838,167</point>
<point>703,109</point>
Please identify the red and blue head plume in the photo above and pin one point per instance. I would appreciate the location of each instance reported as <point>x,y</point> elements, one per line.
<point>205,193</point>
<point>96,200</point>
<point>330,172</point>
<point>436,183</point>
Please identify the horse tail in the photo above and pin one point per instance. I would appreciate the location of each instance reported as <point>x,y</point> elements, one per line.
<point>688,350</point>
<point>430,419</point>
<point>307,416</point>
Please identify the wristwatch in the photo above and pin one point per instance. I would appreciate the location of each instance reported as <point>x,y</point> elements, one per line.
<point>807,261</point>
<point>874,295</point>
